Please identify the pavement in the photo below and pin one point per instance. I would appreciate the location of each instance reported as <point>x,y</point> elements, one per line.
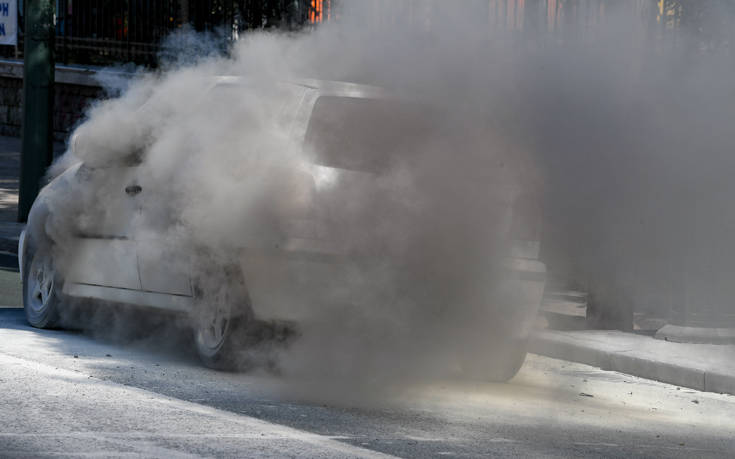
<point>702,367</point>
<point>646,352</point>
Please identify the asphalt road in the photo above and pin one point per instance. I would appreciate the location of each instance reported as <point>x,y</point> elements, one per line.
<point>66,393</point>
<point>10,286</point>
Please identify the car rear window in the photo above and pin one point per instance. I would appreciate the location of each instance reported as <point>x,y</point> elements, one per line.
<point>366,135</point>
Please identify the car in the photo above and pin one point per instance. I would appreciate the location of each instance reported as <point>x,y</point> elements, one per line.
<point>82,246</point>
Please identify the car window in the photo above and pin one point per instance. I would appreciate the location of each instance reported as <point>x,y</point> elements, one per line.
<point>365,134</point>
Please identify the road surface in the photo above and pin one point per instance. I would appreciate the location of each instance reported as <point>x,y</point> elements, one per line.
<point>68,393</point>
<point>10,287</point>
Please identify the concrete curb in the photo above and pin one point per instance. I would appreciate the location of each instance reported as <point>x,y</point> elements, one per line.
<point>561,345</point>
<point>703,335</point>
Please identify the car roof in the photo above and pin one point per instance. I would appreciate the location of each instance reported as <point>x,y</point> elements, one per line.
<point>323,87</point>
<point>297,109</point>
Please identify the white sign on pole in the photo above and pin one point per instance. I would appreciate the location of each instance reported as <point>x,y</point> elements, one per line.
<point>9,22</point>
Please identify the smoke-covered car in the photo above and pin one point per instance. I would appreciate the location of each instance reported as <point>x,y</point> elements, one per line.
<point>115,232</point>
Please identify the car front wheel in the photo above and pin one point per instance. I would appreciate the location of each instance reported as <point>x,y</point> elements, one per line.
<point>499,366</point>
<point>41,288</point>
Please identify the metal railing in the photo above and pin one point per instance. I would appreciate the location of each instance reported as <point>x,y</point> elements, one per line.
<point>105,32</point>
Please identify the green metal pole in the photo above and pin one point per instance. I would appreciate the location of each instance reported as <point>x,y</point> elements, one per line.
<point>38,100</point>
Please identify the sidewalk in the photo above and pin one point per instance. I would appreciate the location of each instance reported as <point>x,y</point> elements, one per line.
<point>705,367</point>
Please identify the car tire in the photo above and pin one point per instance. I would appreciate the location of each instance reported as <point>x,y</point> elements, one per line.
<point>509,366</point>
<point>221,317</point>
<point>501,367</point>
<point>42,287</point>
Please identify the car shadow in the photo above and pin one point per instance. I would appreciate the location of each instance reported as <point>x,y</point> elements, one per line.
<point>106,326</point>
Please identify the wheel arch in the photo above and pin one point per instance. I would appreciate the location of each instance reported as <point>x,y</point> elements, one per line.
<point>35,231</point>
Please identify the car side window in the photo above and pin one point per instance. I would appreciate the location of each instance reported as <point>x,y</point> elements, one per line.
<point>362,134</point>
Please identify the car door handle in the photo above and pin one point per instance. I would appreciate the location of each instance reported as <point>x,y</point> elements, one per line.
<point>132,190</point>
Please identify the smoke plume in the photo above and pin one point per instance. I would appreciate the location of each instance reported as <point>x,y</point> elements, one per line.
<point>623,142</point>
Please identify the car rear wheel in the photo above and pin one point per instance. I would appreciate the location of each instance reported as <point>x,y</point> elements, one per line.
<point>509,366</point>
<point>222,313</point>
<point>500,366</point>
<point>41,288</point>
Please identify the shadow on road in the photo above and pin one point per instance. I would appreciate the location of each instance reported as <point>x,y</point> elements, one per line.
<point>8,262</point>
<point>94,328</point>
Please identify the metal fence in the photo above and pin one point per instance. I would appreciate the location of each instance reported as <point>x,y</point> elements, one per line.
<point>104,32</point>
<point>706,23</point>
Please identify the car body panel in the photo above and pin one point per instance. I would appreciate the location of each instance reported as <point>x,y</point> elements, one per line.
<point>281,285</point>
<point>21,249</point>
<point>166,301</point>
<point>103,249</point>
<point>163,267</point>
<point>106,262</point>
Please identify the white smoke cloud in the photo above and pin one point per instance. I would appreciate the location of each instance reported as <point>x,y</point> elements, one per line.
<point>505,116</point>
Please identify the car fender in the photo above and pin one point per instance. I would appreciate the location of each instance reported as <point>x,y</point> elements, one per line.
<point>21,250</point>
<point>36,231</point>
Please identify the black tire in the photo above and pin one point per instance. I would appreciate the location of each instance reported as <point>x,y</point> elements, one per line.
<point>509,366</point>
<point>42,287</point>
<point>500,367</point>
<point>221,318</point>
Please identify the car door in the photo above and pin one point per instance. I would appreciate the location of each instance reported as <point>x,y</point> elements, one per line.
<point>103,248</point>
<point>164,260</point>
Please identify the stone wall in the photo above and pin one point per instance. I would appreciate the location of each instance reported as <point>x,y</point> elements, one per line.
<point>76,88</point>
<point>70,102</point>
<point>11,91</point>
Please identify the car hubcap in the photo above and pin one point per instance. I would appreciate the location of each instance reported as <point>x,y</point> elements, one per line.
<point>42,284</point>
<point>213,324</point>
